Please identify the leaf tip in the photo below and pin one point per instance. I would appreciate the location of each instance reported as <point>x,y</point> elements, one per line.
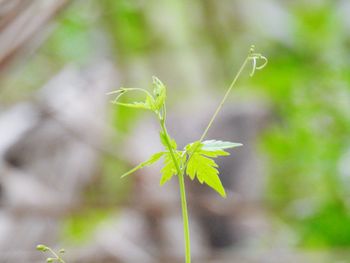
<point>223,194</point>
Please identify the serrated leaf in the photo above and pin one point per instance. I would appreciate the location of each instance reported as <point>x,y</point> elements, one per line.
<point>169,169</point>
<point>198,165</point>
<point>214,182</point>
<point>194,146</point>
<point>198,148</point>
<point>205,169</point>
<point>201,166</point>
<point>154,158</point>
<point>163,141</point>
<point>214,145</point>
<point>214,154</point>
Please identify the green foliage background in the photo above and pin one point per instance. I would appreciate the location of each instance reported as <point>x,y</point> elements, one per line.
<point>197,46</point>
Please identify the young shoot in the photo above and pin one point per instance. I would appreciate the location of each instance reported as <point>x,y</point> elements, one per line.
<point>197,159</point>
<point>55,257</point>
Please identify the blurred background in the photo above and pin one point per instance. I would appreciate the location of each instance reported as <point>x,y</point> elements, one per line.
<point>63,146</point>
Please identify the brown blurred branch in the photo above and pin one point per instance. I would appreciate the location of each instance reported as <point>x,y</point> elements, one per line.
<point>23,26</point>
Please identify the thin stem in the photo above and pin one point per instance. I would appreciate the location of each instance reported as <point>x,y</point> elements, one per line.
<point>57,256</point>
<point>186,227</point>
<point>180,175</point>
<point>219,108</point>
<point>170,148</point>
<point>224,98</point>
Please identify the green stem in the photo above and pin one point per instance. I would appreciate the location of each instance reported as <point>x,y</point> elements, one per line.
<point>218,108</point>
<point>57,256</point>
<point>181,178</point>
<point>186,227</point>
<point>224,98</point>
<point>180,170</point>
<point>170,148</point>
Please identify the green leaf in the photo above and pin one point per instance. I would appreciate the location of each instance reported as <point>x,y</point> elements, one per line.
<point>148,104</point>
<point>163,140</point>
<point>169,169</point>
<point>201,166</point>
<point>214,154</point>
<point>136,105</point>
<point>214,145</point>
<point>193,147</point>
<point>159,92</point>
<point>211,150</point>
<point>205,169</point>
<point>154,158</point>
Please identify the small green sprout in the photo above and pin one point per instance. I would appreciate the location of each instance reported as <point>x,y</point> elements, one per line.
<point>196,160</point>
<point>56,256</point>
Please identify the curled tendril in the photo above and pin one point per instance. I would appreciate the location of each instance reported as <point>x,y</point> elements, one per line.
<point>254,57</point>
<point>120,93</point>
<point>123,91</point>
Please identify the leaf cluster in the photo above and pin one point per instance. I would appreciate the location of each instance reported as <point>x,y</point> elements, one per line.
<point>196,160</point>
